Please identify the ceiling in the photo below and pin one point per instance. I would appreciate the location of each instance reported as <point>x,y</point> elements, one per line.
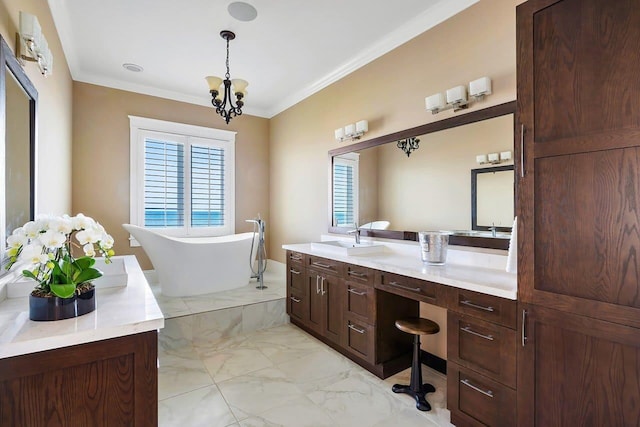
<point>291,50</point>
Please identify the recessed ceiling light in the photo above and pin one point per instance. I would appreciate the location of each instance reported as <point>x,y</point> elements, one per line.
<point>132,67</point>
<point>242,11</point>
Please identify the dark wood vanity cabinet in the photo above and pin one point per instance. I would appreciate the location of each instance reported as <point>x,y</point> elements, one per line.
<point>578,207</point>
<point>297,292</point>
<point>481,359</point>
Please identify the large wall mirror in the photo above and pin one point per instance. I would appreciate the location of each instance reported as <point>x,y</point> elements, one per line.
<point>388,194</point>
<point>18,105</point>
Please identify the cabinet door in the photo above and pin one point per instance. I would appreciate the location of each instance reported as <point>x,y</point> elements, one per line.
<point>578,156</point>
<point>314,294</point>
<point>296,278</point>
<point>576,371</point>
<point>298,306</point>
<point>332,291</point>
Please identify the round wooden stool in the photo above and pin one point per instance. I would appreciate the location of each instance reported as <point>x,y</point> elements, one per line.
<point>417,326</point>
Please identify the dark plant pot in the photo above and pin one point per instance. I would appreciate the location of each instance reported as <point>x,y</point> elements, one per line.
<point>56,308</point>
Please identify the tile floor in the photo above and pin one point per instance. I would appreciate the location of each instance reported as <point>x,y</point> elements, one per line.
<point>232,359</point>
<point>278,376</point>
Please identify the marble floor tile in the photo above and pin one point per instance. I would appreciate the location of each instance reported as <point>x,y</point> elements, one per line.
<point>204,407</point>
<point>318,369</point>
<point>299,412</point>
<point>213,325</point>
<point>284,343</point>
<point>230,363</point>
<point>255,393</point>
<point>179,374</point>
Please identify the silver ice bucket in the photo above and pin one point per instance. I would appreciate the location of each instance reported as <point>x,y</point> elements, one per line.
<point>433,246</point>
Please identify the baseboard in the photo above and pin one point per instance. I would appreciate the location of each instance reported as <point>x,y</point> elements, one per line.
<point>434,362</point>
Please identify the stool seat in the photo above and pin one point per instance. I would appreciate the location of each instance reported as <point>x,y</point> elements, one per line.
<point>418,326</point>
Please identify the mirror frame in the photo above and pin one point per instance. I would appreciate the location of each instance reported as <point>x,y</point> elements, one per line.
<point>464,119</point>
<point>474,196</point>
<point>11,63</point>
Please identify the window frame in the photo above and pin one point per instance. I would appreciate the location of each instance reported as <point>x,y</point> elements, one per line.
<point>351,160</point>
<point>142,127</point>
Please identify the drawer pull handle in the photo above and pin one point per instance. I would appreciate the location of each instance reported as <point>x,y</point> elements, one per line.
<point>353,328</point>
<point>296,258</point>
<point>478,334</point>
<point>317,284</point>
<point>353,291</point>
<point>322,287</point>
<point>319,264</point>
<point>356,274</point>
<point>479,307</point>
<point>487,393</point>
<point>294,271</point>
<point>398,285</point>
<point>294,299</point>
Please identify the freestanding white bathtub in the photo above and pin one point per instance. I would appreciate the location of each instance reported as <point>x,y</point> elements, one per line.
<point>189,266</point>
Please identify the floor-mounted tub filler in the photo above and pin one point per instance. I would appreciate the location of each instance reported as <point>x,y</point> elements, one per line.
<point>188,266</point>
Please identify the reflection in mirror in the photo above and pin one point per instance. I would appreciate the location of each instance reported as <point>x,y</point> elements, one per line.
<point>17,155</point>
<point>18,106</point>
<point>427,191</point>
<point>492,194</point>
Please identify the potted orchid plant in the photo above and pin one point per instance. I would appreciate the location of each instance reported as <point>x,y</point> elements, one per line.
<point>44,249</point>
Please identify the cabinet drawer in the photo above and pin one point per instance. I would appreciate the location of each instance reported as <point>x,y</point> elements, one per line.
<point>360,302</point>
<point>485,347</point>
<point>475,400</point>
<point>355,273</point>
<point>325,265</point>
<point>412,288</point>
<point>295,258</point>
<point>298,306</point>
<point>360,339</point>
<point>487,307</point>
<point>296,279</point>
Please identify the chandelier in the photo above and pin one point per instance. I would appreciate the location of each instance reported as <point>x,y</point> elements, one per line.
<point>217,86</point>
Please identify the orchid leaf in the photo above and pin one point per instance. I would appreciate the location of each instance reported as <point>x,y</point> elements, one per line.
<point>88,275</point>
<point>63,290</point>
<point>30,275</point>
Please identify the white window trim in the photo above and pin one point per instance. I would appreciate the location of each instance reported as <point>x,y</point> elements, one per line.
<point>138,127</point>
<point>353,160</point>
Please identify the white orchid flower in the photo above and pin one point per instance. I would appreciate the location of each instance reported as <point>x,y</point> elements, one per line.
<point>89,235</point>
<point>19,232</point>
<point>89,250</point>
<point>61,225</point>
<point>106,241</point>
<point>42,222</point>
<point>52,239</point>
<point>16,240</point>
<point>31,253</point>
<point>81,222</point>
<point>31,230</point>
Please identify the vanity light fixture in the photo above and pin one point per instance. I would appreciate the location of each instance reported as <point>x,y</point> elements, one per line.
<point>493,158</point>
<point>32,46</point>
<point>352,131</point>
<point>408,145</point>
<point>457,98</point>
<point>218,86</point>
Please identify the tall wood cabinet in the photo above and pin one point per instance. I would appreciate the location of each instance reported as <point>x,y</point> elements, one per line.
<point>578,207</point>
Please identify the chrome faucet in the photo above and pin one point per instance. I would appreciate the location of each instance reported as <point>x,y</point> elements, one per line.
<point>493,229</point>
<point>356,233</point>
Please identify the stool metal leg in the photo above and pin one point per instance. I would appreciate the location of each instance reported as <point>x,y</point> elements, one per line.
<point>416,388</point>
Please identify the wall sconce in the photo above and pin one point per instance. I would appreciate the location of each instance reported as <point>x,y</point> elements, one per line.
<point>352,131</point>
<point>493,158</point>
<point>408,145</point>
<point>31,45</point>
<point>456,97</point>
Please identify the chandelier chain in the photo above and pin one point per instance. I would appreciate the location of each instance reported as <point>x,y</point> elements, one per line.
<point>228,75</point>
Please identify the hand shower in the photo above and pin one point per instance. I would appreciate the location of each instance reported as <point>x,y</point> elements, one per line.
<point>258,227</point>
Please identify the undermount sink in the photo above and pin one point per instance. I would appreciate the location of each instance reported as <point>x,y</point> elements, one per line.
<point>341,247</point>
<point>482,233</point>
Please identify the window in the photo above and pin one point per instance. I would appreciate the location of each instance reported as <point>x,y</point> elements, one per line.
<point>182,178</point>
<point>345,190</point>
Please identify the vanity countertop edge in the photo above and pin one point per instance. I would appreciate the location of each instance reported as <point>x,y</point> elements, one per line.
<point>120,311</point>
<point>484,280</point>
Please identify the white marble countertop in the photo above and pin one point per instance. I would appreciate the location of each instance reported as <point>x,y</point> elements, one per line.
<point>120,311</point>
<point>471,270</point>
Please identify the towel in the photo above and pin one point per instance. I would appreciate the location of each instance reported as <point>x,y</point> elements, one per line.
<point>512,256</point>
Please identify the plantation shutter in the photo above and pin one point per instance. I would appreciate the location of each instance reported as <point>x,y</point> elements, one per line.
<point>163,183</point>
<point>207,186</point>
<point>343,194</point>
